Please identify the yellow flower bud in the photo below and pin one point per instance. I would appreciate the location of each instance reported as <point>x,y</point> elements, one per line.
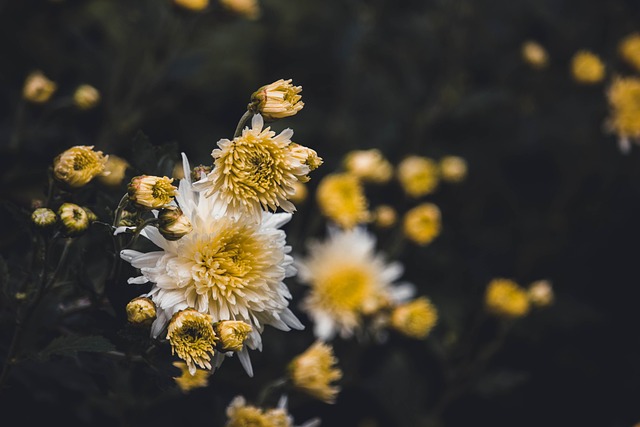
<point>188,382</point>
<point>86,97</point>
<point>38,88</point>
<point>587,68</point>
<point>277,100</point>
<point>195,5</point>
<point>415,319</point>
<point>384,216</point>
<point>314,370</point>
<point>453,169</point>
<point>307,157</point>
<point>505,298</point>
<point>369,165</point>
<point>114,171</point>
<point>73,219</point>
<point>540,293</point>
<point>44,217</point>
<point>173,224</point>
<point>534,54</point>
<point>422,223</point>
<point>78,165</point>
<point>141,311</point>
<point>629,50</point>
<point>151,192</point>
<point>249,9</point>
<point>231,334</point>
<point>418,175</point>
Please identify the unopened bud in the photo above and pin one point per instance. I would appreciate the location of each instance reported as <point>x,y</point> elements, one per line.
<point>151,192</point>
<point>277,100</point>
<point>173,224</point>
<point>231,334</point>
<point>540,293</point>
<point>44,217</point>
<point>86,97</point>
<point>38,88</point>
<point>141,311</point>
<point>73,219</point>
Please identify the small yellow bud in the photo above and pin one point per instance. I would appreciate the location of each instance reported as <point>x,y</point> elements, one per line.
<point>78,165</point>
<point>249,9</point>
<point>141,311</point>
<point>369,166</point>
<point>195,5</point>
<point>188,382</point>
<point>314,370</point>
<point>114,171</point>
<point>231,334</point>
<point>307,157</point>
<point>151,192</point>
<point>629,50</point>
<point>277,100</point>
<point>422,223</point>
<point>415,319</point>
<point>418,175</point>
<point>534,54</point>
<point>44,217</point>
<point>453,169</point>
<point>587,68</point>
<point>505,298</point>
<point>384,216</point>
<point>73,218</point>
<point>173,224</point>
<point>86,97</point>
<point>38,88</point>
<point>540,293</point>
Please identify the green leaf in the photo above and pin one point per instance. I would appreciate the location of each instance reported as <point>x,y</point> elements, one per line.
<point>70,345</point>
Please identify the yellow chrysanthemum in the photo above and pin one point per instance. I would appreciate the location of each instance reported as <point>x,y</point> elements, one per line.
<point>232,334</point>
<point>78,165</point>
<point>188,381</point>
<point>347,280</point>
<point>315,370</point>
<point>629,50</point>
<point>151,192</point>
<point>369,166</point>
<point>505,298</point>
<point>453,169</point>
<point>86,97</point>
<point>255,172</point>
<point>242,415</point>
<point>422,223</point>
<point>114,171</point>
<point>192,338</point>
<point>249,9</point>
<point>540,293</point>
<point>277,100</point>
<point>195,5</point>
<point>587,68</point>
<point>38,88</point>
<point>534,54</point>
<point>415,319</point>
<point>624,101</point>
<point>141,311</point>
<point>418,175</point>
<point>341,198</point>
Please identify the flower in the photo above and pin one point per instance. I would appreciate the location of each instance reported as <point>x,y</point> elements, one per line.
<point>114,171</point>
<point>369,166</point>
<point>277,100</point>
<point>629,50</point>
<point>38,88</point>
<point>587,68</point>
<point>384,216</point>
<point>540,293</point>
<point>173,224</point>
<point>191,335</point>
<point>418,175</point>
<point>505,298</point>
<point>230,268</point>
<point>534,54</point>
<point>453,169</point>
<point>73,219</point>
<point>187,381</point>
<point>249,9</point>
<point>422,223</point>
<point>194,5</point>
<point>86,97</point>
<point>341,198</point>
<point>624,101</point>
<point>415,319</point>
<point>255,171</point>
<point>78,165</point>
<point>151,192</point>
<point>43,217</point>
<point>232,334</point>
<point>314,370</point>
<point>141,311</point>
<point>347,280</point>
<point>300,193</point>
<point>242,415</point>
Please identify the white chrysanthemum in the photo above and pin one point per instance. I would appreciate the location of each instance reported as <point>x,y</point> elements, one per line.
<point>256,171</point>
<point>348,280</point>
<point>230,268</point>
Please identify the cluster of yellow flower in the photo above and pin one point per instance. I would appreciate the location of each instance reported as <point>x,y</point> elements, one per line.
<point>39,89</point>
<point>506,299</point>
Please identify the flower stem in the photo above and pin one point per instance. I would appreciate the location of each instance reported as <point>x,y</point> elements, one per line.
<point>246,116</point>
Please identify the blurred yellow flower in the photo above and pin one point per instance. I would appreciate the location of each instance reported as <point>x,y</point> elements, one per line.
<point>249,9</point>
<point>341,198</point>
<point>300,193</point>
<point>141,311</point>
<point>277,100</point>
<point>195,5</point>
<point>191,336</point>
<point>415,319</point>
<point>384,216</point>
<point>540,293</point>
<point>505,298</point>
<point>453,169</point>
<point>418,175</point>
<point>78,165</point>
<point>151,192</point>
<point>38,88</point>
<point>242,415</point>
<point>86,97</point>
<point>369,165</point>
<point>314,371</point>
<point>422,223</point>
<point>187,381</point>
<point>624,115</point>
<point>587,68</point>
<point>534,54</point>
<point>114,171</point>
<point>629,50</point>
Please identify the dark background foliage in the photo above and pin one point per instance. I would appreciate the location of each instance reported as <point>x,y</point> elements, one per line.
<point>549,194</point>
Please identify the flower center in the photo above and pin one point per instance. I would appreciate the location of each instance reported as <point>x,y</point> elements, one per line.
<point>82,161</point>
<point>346,288</point>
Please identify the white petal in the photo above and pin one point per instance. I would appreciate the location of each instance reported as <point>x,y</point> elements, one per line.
<point>245,361</point>
<point>257,122</point>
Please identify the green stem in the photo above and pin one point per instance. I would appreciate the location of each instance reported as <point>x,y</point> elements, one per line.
<point>270,388</point>
<point>246,116</point>
<point>139,229</point>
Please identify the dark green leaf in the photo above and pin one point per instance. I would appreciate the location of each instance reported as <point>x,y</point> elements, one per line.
<point>70,345</point>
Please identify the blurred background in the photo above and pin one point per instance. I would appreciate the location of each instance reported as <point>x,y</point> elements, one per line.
<point>549,194</point>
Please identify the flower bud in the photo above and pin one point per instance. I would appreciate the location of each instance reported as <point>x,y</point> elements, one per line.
<point>534,54</point>
<point>231,334</point>
<point>315,371</point>
<point>505,298</point>
<point>78,165</point>
<point>415,319</point>
<point>86,97</point>
<point>384,216</point>
<point>141,311</point>
<point>540,293</point>
<point>38,88</point>
<point>172,223</point>
<point>277,100</point>
<point>369,165</point>
<point>44,217</point>
<point>453,169</point>
<point>151,192</point>
<point>73,219</point>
